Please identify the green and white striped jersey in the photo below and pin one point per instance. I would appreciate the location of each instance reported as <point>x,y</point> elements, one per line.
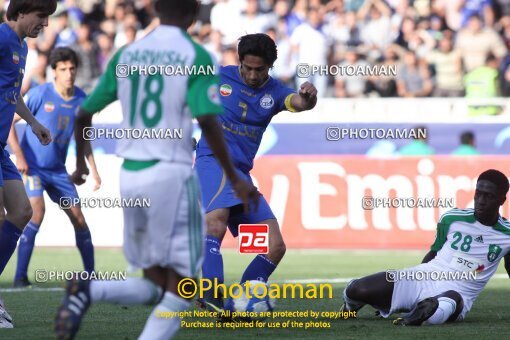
<point>163,81</point>
<point>464,244</point>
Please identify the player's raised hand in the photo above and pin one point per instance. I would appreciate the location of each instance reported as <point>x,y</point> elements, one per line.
<point>79,176</point>
<point>308,91</point>
<point>247,193</point>
<point>42,133</point>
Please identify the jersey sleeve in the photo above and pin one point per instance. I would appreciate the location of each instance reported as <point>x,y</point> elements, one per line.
<point>105,92</point>
<point>284,95</point>
<point>441,233</point>
<point>203,96</point>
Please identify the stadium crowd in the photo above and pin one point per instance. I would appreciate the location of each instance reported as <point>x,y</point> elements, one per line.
<point>442,48</point>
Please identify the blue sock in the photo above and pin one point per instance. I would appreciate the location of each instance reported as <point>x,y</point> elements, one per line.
<point>259,269</point>
<point>86,248</point>
<point>25,248</point>
<point>213,260</point>
<point>9,236</point>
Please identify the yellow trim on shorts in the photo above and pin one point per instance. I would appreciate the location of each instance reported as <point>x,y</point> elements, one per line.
<point>222,186</point>
<point>288,104</point>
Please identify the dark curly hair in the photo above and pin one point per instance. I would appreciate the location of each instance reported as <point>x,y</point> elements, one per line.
<point>259,45</point>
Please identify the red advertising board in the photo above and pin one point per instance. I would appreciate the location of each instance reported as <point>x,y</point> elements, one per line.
<point>318,200</point>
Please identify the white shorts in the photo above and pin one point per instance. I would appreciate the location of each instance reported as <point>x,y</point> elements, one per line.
<point>169,233</point>
<point>407,293</point>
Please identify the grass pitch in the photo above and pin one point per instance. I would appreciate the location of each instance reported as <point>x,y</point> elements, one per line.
<point>33,310</point>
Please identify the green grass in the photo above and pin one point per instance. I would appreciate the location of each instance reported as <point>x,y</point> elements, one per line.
<point>33,311</point>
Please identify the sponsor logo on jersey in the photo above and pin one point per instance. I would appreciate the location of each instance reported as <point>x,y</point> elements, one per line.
<point>49,107</point>
<point>66,106</point>
<point>479,239</point>
<point>212,94</point>
<point>225,90</point>
<point>267,102</point>
<point>494,251</point>
<point>15,58</point>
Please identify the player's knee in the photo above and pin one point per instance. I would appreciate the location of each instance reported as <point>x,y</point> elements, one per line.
<point>23,216</point>
<point>216,226</point>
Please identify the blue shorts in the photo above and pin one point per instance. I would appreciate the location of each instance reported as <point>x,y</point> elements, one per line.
<point>57,184</point>
<point>9,170</point>
<point>217,193</point>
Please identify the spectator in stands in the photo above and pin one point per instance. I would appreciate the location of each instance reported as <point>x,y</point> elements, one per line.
<point>351,86</point>
<point>467,145</point>
<point>88,52</point>
<point>504,76</point>
<point>311,46</point>
<point>451,11</point>
<point>476,42</point>
<point>480,8</point>
<point>419,146</point>
<point>254,22</point>
<point>106,50</point>
<point>447,64</point>
<point>66,36</point>
<point>376,25</point>
<point>283,66</point>
<point>385,86</point>
<point>414,77</point>
<point>482,82</point>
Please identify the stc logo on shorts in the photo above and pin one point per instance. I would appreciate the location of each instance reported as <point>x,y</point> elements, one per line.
<point>253,238</point>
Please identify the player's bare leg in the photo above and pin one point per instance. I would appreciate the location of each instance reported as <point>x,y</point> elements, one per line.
<point>15,202</point>
<point>83,237</point>
<point>212,268</point>
<point>19,213</point>
<point>26,243</point>
<point>158,327</point>
<point>374,290</point>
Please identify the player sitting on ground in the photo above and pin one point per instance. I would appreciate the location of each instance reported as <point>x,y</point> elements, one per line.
<point>251,98</point>
<point>467,241</point>
<point>25,18</point>
<point>165,239</point>
<point>43,167</point>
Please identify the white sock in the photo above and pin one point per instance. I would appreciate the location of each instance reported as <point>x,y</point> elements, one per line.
<point>444,311</point>
<point>133,291</point>
<point>161,325</point>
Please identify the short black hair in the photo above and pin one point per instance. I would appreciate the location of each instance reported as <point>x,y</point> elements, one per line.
<point>497,178</point>
<point>177,8</point>
<point>467,137</point>
<point>258,45</point>
<point>28,6</point>
<point>61,54</point>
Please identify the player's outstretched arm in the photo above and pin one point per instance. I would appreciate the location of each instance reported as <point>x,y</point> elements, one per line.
<point>214,136</point>
<point>507,264</point>
<point>306,99</point>
<point>83,120</point>
<point>42,133</point>
<point>13,142</point>
<point>430,256</point>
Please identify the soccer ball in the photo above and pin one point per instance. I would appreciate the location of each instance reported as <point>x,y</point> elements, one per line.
<point>249,308</point>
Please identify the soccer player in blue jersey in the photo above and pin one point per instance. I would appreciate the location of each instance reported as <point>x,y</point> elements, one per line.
<point>251,98</point>
<point>25,18</point>
<point>55,104</point>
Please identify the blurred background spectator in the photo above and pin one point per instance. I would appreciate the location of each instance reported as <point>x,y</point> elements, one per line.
<point>467,145</point>
<point>435,43</point>
<point>418,146</point>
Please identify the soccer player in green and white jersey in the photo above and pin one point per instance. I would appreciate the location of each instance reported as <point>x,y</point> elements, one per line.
<point>469,245</point>
<point>166,239</point>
